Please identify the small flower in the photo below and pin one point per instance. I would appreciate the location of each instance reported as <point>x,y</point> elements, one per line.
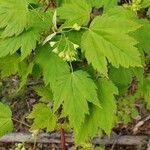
<point>76,27</point>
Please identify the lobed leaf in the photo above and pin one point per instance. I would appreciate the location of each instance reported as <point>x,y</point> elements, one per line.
<point>100,118</point>
<point>74,91</point>
<point>6,124</point>
<point>13,16</point>
<point>107,38</point>
<point>43,117</point>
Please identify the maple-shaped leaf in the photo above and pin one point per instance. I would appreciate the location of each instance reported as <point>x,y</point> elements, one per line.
<point>75,12</point>
<point>9,65</point>
<point>52,65</point>
<point>43,117</point>
<point>143,36</point>
<point>74,91</point>
<point>13,16</point>
<point>121,77</point>
<point>26,41</point>
<point>6,124</point>
<point>44,92</point>
<point>100,118</point>
<point>107,38</point>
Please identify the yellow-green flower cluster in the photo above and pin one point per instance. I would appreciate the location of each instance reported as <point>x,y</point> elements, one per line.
<point>134,5</point>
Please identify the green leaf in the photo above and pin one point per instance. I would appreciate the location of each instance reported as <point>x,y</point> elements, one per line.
<point>44,92</point>
<point>107,38</point>
<point>100,118</point>
<point>53,66</point>
<point>148,12</point>
<point>13,16</point>
<point>74,91</point>
<point>9,65</point>
<point>43,117</point>
<point>138,73</point>
<point>40,21</point>
<point>121,77</point>
<point>33,1</point>
<point>106,91</point>
<point>6,124</point>
<point>146,91</point>
<point>60,2</point>
<point>26,42</point>
<point>103,3</point>
<point>75,36</point>
<point>143,36</point>
<point>75,12</point>
<point>145,3</point>
<point>36,72</point>
<point>107,4</point>
<point>121,12</point>
<point>24,74</point>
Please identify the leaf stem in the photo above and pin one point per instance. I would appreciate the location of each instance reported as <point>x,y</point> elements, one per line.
<point>21,122</point>
<point>71,66</point>
<point>85,28</point>
<point>63,143</point>
<point>51,4</point>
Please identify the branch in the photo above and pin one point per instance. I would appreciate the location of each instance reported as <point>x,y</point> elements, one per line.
<point>51,4</point>
<point>139,124</point>
<point>54,138</point>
